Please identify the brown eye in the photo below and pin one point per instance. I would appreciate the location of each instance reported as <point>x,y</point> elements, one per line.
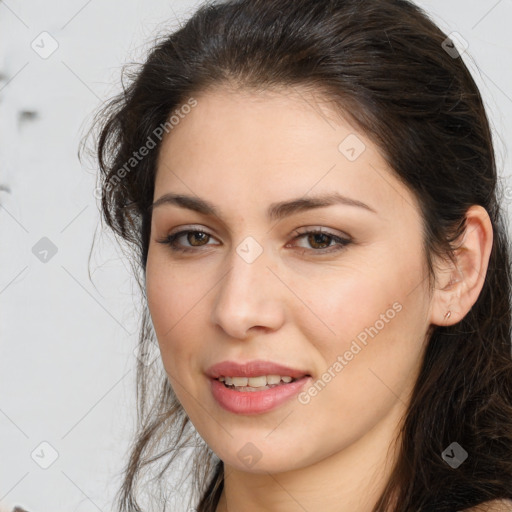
<point>321,240</point>
<point>191,235</point>
<point>316,239</point>
<point>195,238</point>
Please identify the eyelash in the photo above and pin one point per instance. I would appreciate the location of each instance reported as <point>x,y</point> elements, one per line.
<point>170,240</point>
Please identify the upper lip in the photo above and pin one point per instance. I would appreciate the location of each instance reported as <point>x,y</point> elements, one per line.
<point>253,368</point>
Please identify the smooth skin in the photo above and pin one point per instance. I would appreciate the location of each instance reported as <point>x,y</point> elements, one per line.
<point>297,303</point>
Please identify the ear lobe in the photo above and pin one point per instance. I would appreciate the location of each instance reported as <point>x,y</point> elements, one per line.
<point>460,285</point>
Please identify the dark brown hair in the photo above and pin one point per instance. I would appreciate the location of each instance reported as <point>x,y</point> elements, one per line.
<point>388,66</point>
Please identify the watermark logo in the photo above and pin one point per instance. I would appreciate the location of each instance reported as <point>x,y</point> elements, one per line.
<point>149,352</point>
<point>44,250</point>
<point>249,454</point>
<point>352,147</point>
<point>455,45</point>
<point>44,45</point>
<point>454,455</point>
<point>44,455</point>
<point>249,249</point>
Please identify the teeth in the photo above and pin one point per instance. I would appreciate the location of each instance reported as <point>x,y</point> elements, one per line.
<point>255,382</point>
<point>237,381</point>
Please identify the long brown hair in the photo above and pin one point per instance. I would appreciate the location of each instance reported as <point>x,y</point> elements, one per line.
<point>406,86</point>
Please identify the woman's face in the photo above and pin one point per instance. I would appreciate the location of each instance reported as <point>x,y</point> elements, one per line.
<point>351,317</point>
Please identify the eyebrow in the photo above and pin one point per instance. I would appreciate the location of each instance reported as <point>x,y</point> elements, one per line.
<point>276,211</point>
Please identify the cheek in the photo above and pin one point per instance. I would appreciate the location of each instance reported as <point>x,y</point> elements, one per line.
<point>368,331</point>
<point>370,365</point>
<point>340,307</point>
<point>173,303</point>
<point>378,296</point>
<point>172,292</point>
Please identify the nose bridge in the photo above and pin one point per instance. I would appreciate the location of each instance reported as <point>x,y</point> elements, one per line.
<point>247,294</point>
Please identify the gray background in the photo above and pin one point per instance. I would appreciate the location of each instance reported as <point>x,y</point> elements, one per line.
<point>67,363</point>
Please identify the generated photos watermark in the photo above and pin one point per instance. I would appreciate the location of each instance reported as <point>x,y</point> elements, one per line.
<point>150,143</point>
<point>355,348</point>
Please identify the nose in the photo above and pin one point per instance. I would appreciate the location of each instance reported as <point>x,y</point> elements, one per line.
<point>249,296</point>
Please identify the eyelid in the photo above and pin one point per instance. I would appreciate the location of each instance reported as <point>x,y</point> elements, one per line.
<point>296,232</point>
<point>321,229</point>
<point>179,229</point>
<point>341,241</point>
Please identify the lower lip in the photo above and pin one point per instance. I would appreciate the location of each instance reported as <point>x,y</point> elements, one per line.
<point>255,402</point>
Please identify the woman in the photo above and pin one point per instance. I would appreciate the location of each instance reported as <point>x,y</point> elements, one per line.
<point>310,192</point>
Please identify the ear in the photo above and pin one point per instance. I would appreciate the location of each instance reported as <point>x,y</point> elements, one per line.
<point>458,287</point>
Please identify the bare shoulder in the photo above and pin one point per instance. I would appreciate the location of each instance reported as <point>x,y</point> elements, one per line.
<point>492,506</point>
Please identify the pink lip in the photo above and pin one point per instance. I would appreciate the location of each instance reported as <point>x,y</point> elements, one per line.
<point>253,368</point>
<point>254,402</point>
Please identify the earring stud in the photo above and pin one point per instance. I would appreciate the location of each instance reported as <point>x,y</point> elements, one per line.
<point>448,314</point>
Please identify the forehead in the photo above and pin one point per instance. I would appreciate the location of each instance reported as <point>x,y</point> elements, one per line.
<point>249,147</point>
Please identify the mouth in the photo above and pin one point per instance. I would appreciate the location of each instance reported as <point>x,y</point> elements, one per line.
<point>258,383</point>
<point>256,386</point>
<point>257,368</point>
<point>255,399</point>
